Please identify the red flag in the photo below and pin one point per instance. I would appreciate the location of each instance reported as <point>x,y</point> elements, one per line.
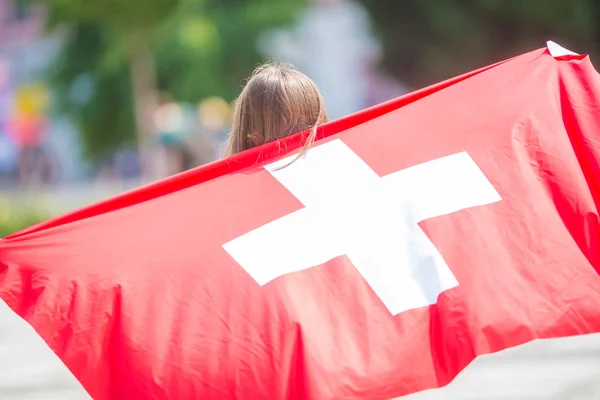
<point>456,221</point>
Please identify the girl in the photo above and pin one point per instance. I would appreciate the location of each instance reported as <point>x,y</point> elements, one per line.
<point>277,101</point>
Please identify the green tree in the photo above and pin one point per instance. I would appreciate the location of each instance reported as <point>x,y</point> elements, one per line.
<point>129,49</point>
<point>113,35</point>
<point>427,41</point>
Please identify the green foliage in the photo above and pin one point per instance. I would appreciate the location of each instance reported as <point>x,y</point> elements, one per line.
<point>427,41</point>
<point>15,217</point>
<point>208,49</point>
<point>201,48</point>
<point>130,13</point>
<point>105,120</point>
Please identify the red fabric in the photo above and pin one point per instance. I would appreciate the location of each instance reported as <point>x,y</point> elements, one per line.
<point>139,299</point>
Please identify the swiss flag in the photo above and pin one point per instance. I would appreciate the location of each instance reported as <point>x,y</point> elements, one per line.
<point>456,221</point>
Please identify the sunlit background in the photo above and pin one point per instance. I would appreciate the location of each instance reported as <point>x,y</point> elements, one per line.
<point>100,96</point>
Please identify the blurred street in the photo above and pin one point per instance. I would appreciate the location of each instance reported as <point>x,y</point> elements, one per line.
<point>552,369</point>
<point>94,101</point>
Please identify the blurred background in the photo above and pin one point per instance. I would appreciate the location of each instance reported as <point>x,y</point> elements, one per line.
<point>100,96</point>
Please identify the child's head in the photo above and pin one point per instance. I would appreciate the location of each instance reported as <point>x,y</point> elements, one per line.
<point>276,102</point>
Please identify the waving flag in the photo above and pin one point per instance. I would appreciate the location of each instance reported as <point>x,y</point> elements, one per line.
<point>455,222</point>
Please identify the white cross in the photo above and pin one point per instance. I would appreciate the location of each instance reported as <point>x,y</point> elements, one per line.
<point>350,210</point>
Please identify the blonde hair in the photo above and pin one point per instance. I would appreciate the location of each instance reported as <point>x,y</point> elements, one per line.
<point>277,101</point>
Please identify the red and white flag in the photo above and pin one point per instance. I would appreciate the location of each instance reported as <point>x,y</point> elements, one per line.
<point>454,222</point>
